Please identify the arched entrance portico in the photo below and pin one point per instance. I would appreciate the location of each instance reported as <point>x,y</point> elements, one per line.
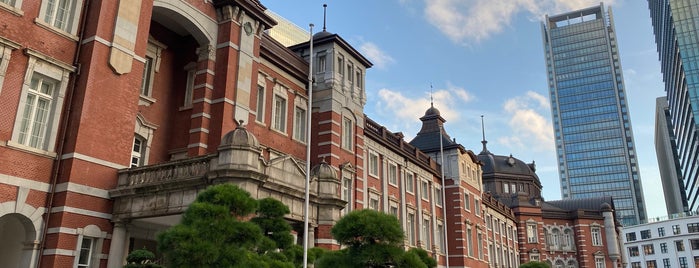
<point>18,237</point>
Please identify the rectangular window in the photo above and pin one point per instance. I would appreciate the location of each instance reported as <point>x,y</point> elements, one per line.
<point>645,234</point>
<point>374,203</point>
<point>651,264</point>
<point>260,109</point>
<point>409,183</point>
<point>596,236</point>
<point>661,231</point>
<point>321,63</point>
<point>467,201</point>
<point>666,263</point>
<point>189,89</point>
<point>683,262</point>
<point>438,196</point>
<point>531,233</point>
<point>347,133</point>
<point>663,247</point>
<point>679,245</point>
<point>694,243</point>
<point>59,13</point>
<point>676,229</point>
<point>477,206</point>
<point>426,233</point>
<point>40,103</point>
<point>633,251</point>
<point>392,174</point>
<point>411,228</point>
<point>359,78</point>
<point>340,65</point>
<point>513,188</point>
<point>599,262</point>
<point>300,124</point>
<point>350,73</point>
<point>505,188</point>
<point>279,120</point>
<point>347,194</point>
<point>137,151</point>
<point>85,252</point>
<point>648,249</point>
<point>440,236</point>
<point>636,264</point>
<point>469,241</point>
<point>147,79</point>
<point>630,236</point>
<point>425,190</point>
<point>394,210</point>
<point>693,227</point>
<point>37,111</point>
<point>373,164</point>
<point>480,246</point>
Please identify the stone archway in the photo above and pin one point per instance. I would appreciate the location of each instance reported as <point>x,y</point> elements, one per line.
<point>18,238</point>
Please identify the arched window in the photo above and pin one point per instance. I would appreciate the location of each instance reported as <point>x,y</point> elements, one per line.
<point>568,243</point>
<point>559,264</point>
<point>555,238</point>
<point>572,264</point>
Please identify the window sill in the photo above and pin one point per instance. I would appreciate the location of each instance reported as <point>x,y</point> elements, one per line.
<point>31,150</point>
<point>280,132</point>
<point>185,107</point>
<point>55,30</point>
<point>144,100</point>
<point>15,11</point>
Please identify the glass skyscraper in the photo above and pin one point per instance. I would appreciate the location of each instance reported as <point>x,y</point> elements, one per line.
<point>594,141</point>
<point>676,26</point>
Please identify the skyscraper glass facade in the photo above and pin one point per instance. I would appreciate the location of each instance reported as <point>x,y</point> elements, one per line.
<point>594,141</point>
<point>675,24</point>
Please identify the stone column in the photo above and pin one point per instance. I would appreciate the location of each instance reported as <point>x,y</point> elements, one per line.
<point>118,245</point>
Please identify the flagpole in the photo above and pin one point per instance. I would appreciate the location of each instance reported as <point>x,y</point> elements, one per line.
<point>308,150</point>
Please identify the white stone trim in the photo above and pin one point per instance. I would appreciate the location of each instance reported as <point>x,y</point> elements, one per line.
<point>58,251</point>
<point>92,160</point>
<point>25,183</point>
<point>82,189</point>
<point>81,212</point>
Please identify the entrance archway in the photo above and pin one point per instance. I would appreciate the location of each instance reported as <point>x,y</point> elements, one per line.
<point>18,238</point>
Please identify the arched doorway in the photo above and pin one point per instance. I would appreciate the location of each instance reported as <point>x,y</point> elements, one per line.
<point>18,238</point>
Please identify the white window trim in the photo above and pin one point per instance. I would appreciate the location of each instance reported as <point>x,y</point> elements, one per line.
<point>299,134</point>
<point>428,189</point>
<point>467,201</point>
<point>60,72</point>
<point>6,48</point>
<point>260,102</point>
<point>144,129</point>
<point>347,139</point>
<point>599,232</point>
<point>438,196</point>
<point>373,173</point>
<point>16,9</point>
<point>280,91</point>
<point>73,19</point>
<point>98,236</point>
<point>388,174</point>
<point>191,69</point>
<point>154,51</point>
<point>410,189</point>
<point>322,59</point>
<point>346,197</point>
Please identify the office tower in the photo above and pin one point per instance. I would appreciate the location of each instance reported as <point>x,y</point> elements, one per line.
<point>594,141</point>
<point>675,28</point>
<point>668,162</point>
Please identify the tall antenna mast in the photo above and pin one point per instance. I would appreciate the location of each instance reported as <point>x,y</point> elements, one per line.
<point>325,11</point>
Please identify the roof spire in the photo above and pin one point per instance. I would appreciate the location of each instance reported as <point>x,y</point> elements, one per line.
<point>325,11</point>
<point>485,149</point>
<point>431,98</point>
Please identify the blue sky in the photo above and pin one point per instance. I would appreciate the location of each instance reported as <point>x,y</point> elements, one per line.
<point>485,57</point>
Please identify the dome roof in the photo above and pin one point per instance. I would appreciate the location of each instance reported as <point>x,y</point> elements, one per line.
<point>506,165</point>
<point>240,136</point>
<point>323,171</point>
<point>432,111</point>
<point>321,34</point>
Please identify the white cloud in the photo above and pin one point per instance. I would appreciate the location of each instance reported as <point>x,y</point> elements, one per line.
<point>476,20</point>
<point>407,109</point>
<point>529,127</point>
<point>377,56</point>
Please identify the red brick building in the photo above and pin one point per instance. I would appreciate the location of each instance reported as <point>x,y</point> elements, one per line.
<point>115,114</point>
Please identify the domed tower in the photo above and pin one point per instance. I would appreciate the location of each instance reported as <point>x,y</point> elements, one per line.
<point>507,176</point>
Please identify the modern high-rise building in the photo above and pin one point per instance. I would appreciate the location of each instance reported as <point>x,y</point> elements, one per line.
<point>668,162</point>
<point>594,140</point>
<point>675,26</point>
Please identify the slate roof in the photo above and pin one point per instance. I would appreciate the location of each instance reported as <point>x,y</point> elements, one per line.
<point>428,139</point>
<point>592,203</point>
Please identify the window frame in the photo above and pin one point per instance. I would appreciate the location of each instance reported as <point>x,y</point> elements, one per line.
<point>347,133</point>
<point>425,190</point>
<point>392,174</point>
<point>596,236</point>
<point>45,66</point>
<point>151,66</point>
<point>260,103</point>
<point>72,19</point>
<point>280,106</point>
<point>15,7</point>
<point>373,164</point>
<point>300,126</point>
<point>410,227</point>
<point>438,196</point>
<point>189,86</point>
<point>81,250</point>
<point>410,182</point>
<point>532,236</point>
<point>346,194</point>
<point>467,201</point>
